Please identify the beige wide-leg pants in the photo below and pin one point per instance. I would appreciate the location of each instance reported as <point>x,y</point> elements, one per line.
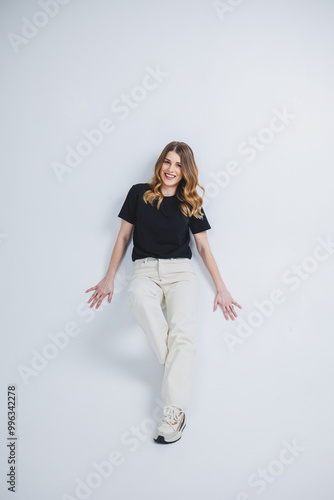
<point>169,284</point>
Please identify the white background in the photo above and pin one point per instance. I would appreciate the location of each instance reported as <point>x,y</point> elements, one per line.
<point>228,72</point>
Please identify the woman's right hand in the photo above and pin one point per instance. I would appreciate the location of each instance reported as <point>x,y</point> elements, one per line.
<point>102,289</point>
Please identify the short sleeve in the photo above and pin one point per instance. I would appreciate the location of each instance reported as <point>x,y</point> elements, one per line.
<point>198,225</point>
<point>128,211</point>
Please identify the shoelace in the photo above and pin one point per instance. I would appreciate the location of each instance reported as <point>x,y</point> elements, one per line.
<point>172,415</point>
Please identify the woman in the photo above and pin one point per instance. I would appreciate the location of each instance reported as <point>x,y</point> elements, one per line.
<point>163,291</point>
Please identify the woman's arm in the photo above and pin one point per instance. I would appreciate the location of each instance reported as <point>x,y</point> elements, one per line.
<point>106,285</point>
<point>223,296</point>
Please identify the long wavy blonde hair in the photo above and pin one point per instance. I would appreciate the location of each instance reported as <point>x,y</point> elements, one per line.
<point>191,201</point>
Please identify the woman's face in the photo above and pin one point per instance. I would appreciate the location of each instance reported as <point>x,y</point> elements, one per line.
<point>171,165</point>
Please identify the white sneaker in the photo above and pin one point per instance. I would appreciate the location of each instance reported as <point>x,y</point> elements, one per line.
<point>171,426</point>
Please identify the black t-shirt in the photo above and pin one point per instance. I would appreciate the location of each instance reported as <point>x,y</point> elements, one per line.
<point>162,233</point>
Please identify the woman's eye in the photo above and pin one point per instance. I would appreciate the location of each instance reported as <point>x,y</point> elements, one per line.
<point>168,162</point>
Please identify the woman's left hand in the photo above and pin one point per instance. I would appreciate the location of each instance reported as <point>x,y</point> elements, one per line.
<point>227,303</point>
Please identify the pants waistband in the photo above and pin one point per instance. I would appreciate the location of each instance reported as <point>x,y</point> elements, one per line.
<point>178,259</point>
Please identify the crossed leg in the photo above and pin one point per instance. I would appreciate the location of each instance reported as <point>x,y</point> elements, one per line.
<point>146,300</point>
<point>181,307</point>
